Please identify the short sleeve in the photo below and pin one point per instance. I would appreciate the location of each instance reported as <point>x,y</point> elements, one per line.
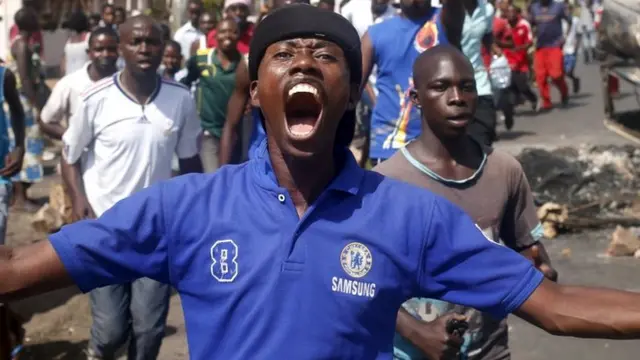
<point>520,225</point>
<point>57,104</point>
<point>126,243</point>
<point>190,132</point>
<point>462,266</point>
<point>79,134</point>
<point>490,11</point>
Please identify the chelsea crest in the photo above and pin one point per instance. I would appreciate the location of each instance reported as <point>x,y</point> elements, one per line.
<point>356,259</point>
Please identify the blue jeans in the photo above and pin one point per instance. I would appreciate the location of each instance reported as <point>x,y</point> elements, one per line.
<point>136,312</point>
<point>5,197</point>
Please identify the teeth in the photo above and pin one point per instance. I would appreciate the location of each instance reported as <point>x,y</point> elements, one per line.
<point>303,88</point>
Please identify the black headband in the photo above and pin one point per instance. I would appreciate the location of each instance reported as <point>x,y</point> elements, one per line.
<point>301,20</point>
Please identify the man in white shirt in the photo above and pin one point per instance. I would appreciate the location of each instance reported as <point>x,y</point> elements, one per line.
<point>120,140</point>
<point>189,32</point>
<point>364,13</point>
<point>64,98</point>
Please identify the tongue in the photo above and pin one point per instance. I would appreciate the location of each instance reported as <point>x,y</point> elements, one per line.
<point>302,125</point>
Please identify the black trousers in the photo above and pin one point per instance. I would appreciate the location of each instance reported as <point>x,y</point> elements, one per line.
<point>520,86</point>
<point>483,128</point>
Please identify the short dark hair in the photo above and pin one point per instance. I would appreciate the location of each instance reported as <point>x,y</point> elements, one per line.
<point>176,45</point>
<point>328,2</point>
<point>25,18</point>
<point>77,21</point>
<point>197,2</point>
<point>95,17</point>
<point>106,6</point>
<point>120,9</point>
<point>166,32</point>
<point>103,30</point>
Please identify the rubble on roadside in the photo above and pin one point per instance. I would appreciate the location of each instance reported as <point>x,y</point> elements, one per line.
<point>584,187</point>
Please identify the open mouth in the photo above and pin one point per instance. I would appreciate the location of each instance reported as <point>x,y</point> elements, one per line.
<point>303,109</point>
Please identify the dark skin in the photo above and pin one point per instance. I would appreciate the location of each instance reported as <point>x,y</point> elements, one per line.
<point>446,93</point>
<point>239,12</point>
<point>304,165</point>
<point>120,16</point>
<point>227,40</point>
<point>194,10</point>
<point>13,160</point>
<point>22,54</point>
<point>512,17</point>
<point>560,310</point>
<point>103,54</point>
<point>452,17</point>
<point>172,60</point>
<point>108,15</point>
<point>206,23</point>
<point>237,105</point>
<point>141,46</point>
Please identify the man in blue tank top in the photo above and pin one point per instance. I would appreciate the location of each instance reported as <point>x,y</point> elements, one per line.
<point>393,46</point>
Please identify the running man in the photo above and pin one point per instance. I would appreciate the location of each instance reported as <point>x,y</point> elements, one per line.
<point>487,184</point>
<point>257,251</point>
<point>546,17</point>
<point>128,150</point>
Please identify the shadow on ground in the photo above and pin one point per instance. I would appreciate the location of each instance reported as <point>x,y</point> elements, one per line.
<point>43,303</point>
<point>514,134</point>
<point>67,350</point>
<point>55,350</point>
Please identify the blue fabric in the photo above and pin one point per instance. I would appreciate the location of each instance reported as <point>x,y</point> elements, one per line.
<point>397,42</point>
<point>547,22</point>
<point>233,246</point>
<point>258,134</point>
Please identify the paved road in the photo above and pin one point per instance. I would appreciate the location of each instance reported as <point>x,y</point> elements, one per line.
<point>581,123</point>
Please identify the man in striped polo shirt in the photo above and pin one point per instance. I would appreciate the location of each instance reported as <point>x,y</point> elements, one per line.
<point>130,124</point>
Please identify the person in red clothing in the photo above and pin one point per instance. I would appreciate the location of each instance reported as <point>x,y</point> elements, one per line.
<point>35,42</point>
<point>239,11</point>
<point>547,16</point>
<point>518,56</point>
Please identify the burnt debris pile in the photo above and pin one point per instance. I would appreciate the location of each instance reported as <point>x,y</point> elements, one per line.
<point>585,187</point>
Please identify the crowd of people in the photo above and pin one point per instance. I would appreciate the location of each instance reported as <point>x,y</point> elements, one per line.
<point>412,89</point>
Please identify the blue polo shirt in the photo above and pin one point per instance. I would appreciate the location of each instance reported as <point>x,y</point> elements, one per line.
<point>258,282</point>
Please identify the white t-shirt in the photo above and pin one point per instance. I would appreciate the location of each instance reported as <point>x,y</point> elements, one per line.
<point>129,146</point>
<point>65,96</point>
<point>185,36</point>
<point>359,14</point>
<point>570,42</point>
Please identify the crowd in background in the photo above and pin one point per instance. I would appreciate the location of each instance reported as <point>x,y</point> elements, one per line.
<point>513,50</point>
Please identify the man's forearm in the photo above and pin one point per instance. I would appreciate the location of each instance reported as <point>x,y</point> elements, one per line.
<point>71,176</point>
<point>406,325</point>
<point>235,109</point>
<point>30,270</point>
<point>583,312</point>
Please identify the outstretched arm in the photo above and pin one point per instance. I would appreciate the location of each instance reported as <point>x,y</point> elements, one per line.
<point>30,270</point>
<point>129,241</point>
<point>583,312</point>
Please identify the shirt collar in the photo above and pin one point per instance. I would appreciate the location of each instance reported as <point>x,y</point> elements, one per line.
<point>348,180</point>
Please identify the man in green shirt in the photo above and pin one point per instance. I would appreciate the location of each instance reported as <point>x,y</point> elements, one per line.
<point>215,70</point>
